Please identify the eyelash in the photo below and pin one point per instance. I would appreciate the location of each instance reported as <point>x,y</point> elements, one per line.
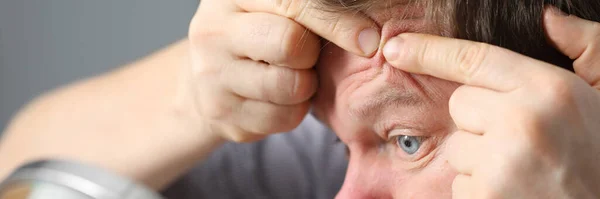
<point>425,147</point>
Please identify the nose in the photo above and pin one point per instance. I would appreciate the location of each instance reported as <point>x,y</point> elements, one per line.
<point>353,191</point>
<point>364,182</point>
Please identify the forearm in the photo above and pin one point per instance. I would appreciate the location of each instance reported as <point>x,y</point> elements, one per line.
<point>132,121</point>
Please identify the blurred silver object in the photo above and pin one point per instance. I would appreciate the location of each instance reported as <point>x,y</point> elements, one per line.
<point>69,180</point>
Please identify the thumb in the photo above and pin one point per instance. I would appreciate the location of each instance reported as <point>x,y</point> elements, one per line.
<point>577,38</point>
<point>351,31</point>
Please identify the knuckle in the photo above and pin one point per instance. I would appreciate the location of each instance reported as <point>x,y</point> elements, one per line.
<point>281,119</point>
<point>237,138</point>
<point>291,86</point>
<point>259,27</point>
<point>216,110</point>
<point>215,106</point>
<point>556,91</point>
<point>292,39</point>
<point>297,115</point>
<point>532,128</point>
<point>258,128</point>
<point>195,24</point>
<point>470,58</point>
<point>269,122</point>
<point>282,86</point>
<point>304,85</point>
<point>289,117</point>
<point>292,8</point>
<point>334,26</point>
<point>258,117</point>
<point>525,121</point>
<point>241,136</point>
<point>236,135</point>
<point>264,80</point>
<point>200,33</point>
<point>528,126</point>
<point>232,133</point>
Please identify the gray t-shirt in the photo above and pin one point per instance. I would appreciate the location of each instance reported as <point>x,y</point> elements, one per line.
<point>306,163</point>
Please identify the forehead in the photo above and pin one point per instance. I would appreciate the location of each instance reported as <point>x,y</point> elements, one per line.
<point>363,5</point>
<point>379,10</point>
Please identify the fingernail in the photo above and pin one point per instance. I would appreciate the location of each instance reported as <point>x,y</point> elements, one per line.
<point>558,12</point>
<point>392,48</point>
<point>368,40</point>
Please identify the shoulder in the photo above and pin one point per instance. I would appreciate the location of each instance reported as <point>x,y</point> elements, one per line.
<point>303,163</point>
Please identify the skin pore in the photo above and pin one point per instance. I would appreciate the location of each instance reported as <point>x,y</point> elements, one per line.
<point>394,123</point>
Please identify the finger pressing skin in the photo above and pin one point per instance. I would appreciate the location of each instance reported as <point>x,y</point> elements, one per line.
<point>462,187</point>
<point>351,31</point>
<point>265,118</point>
<point>462,61</point>
<point>260,81</point>
<point>474,108</point>
<point>273,39</point>
<point>464,151</point>
<point>577,38</point>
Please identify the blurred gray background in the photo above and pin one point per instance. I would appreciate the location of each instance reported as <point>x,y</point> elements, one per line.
<point>48,43</point>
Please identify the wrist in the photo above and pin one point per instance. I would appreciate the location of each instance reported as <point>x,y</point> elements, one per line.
<point>181,137</point>
<point>183,106</point>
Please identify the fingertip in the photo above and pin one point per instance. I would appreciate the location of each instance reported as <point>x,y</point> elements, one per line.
<point>400,51</point>
<point>391,49</point>
<point>368,41</point>
<point>553,17</point>
<point>565,32</point>
<point>553,11</point>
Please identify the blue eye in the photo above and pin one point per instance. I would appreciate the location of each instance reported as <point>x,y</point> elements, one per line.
<point>409,144</point>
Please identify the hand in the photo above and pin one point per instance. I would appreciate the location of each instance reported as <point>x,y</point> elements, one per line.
<point>252,62</point>
<point>527,129</point>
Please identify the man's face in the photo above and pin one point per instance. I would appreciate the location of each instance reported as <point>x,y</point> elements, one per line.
<point>393,123</point>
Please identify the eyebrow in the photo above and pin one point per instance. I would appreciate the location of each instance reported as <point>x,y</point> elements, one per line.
<point>373,106</point>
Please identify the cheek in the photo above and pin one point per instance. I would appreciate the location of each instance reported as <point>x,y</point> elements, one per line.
<point>372,176</point>
<point>433,181</point>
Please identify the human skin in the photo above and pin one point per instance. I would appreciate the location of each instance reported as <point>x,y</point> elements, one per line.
<point>135,108</point>
<point>368,102</point>
<point>527,129</point>
<point>415,105</point>
<point>245,73</point>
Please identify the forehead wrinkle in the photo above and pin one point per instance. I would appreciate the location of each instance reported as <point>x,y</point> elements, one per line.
<point>361,6</point>
<point>385,4</point>
<point>386,98</point>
